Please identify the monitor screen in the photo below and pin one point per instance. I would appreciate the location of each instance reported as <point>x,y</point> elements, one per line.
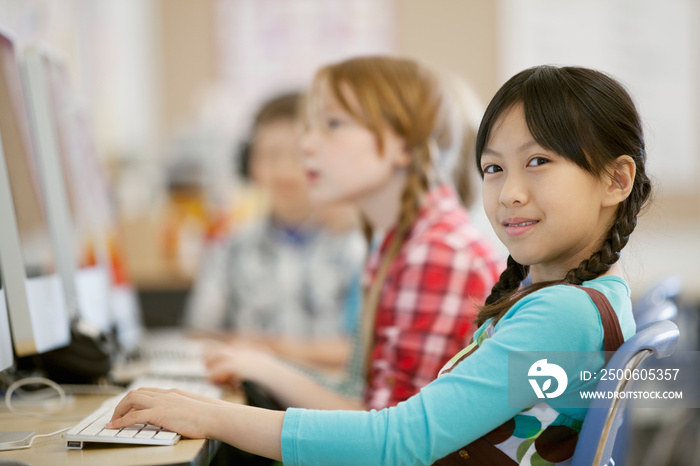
<point>36,302</point>
<point>78,171</point>
<point>29,210</point>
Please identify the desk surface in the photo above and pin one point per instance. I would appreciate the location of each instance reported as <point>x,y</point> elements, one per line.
<point>52,451</point>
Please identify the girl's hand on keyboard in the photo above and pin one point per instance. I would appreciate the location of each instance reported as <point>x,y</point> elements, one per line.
<point>231,365</point>
<point>174,410</point>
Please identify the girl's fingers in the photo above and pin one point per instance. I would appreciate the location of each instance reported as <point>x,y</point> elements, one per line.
<point>133,401</point>
<point>141,416</point>
<point>215,357</point>
<point>151,390</point>
<point>136,400</point>
<point>221,374</point>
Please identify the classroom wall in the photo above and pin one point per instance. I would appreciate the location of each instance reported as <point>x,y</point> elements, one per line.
<point>187,46</point>
<point>459,35</point>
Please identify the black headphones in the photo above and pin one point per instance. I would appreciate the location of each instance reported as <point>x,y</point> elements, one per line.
<point>243,162</point>
<point>86,359</point>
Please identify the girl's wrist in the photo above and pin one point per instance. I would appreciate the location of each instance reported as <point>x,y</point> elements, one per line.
<point>265,369</point>
<point>218,419</point>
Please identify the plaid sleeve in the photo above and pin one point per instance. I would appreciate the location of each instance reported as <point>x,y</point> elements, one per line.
<point>425,316</point>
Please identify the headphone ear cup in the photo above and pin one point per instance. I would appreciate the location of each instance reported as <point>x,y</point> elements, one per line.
<point>84,360</point>
<point>244,160</point>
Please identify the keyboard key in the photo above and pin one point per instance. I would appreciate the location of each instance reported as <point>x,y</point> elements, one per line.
<point>148,432</point>
<point>165,435</point>
<point>108,433</point>
<point>95,427</point>
<point>130,431</point>
<point>81,426</point>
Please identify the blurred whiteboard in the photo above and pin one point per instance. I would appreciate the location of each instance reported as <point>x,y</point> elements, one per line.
<point>268,46</point>
<point>649,45</point>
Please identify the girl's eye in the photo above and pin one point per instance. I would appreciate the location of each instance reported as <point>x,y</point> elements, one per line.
<point>536,161</point>
<point>332,123</point>
<point>492,169</point>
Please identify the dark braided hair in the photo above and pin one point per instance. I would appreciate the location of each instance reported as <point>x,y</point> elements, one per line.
<point>509,280</point>
<point>590,119</point>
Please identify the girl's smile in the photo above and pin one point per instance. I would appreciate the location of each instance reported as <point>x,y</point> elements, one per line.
<point>518,226</point>
<point>312,175</point>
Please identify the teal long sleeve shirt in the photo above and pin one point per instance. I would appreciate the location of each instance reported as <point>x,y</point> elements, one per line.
<point>472,399</point>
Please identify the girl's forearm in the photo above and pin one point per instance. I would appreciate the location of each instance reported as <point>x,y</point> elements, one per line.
<point>254,430</point>
<point>331,353</point>
<point>294,388</point>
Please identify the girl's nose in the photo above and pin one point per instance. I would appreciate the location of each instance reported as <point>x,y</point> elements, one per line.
<point>514,190</point>
<point>307,142</point>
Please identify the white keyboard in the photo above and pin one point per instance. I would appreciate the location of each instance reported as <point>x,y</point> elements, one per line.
<point>164,353</point>
<point>92,428</point>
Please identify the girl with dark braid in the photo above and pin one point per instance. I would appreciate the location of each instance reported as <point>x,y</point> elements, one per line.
<point>562,156</point>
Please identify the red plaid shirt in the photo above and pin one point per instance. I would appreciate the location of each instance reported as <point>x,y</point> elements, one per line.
<point>426,308</point>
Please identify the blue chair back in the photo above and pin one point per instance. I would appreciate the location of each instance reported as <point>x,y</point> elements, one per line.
<point>665,310</point>
<point>600,427</point>
<point>660,302</point>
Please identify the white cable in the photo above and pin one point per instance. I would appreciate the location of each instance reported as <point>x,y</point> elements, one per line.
<point>34,380</point>
<point>39,380</point>
<point>35,437</point>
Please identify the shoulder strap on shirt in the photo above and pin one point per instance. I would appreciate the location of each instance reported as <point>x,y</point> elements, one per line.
<point>612,332</point>
<point>372,296</point>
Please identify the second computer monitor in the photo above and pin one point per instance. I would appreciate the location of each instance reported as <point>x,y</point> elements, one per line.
<point>85,280</point>
<point>39,319</point>
<point>90,203</point>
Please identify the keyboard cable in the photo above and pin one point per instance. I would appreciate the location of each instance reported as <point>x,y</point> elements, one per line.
<point>35,437</point>
<point>62,400</point>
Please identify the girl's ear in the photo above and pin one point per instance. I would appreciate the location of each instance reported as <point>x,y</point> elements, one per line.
<point>620,180</point>
<point>396,149</point>
<point>403,158</point>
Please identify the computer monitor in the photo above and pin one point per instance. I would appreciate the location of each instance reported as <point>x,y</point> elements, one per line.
<point>68,203</point>
<point>39,320</point>
<point>90,200</point>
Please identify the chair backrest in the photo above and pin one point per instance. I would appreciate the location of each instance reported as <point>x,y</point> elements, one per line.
<point>660,302</point>
<point>664,310</point>
<point>599,431</point>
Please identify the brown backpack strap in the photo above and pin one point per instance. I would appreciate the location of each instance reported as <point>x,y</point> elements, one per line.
<point>612,332</point>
